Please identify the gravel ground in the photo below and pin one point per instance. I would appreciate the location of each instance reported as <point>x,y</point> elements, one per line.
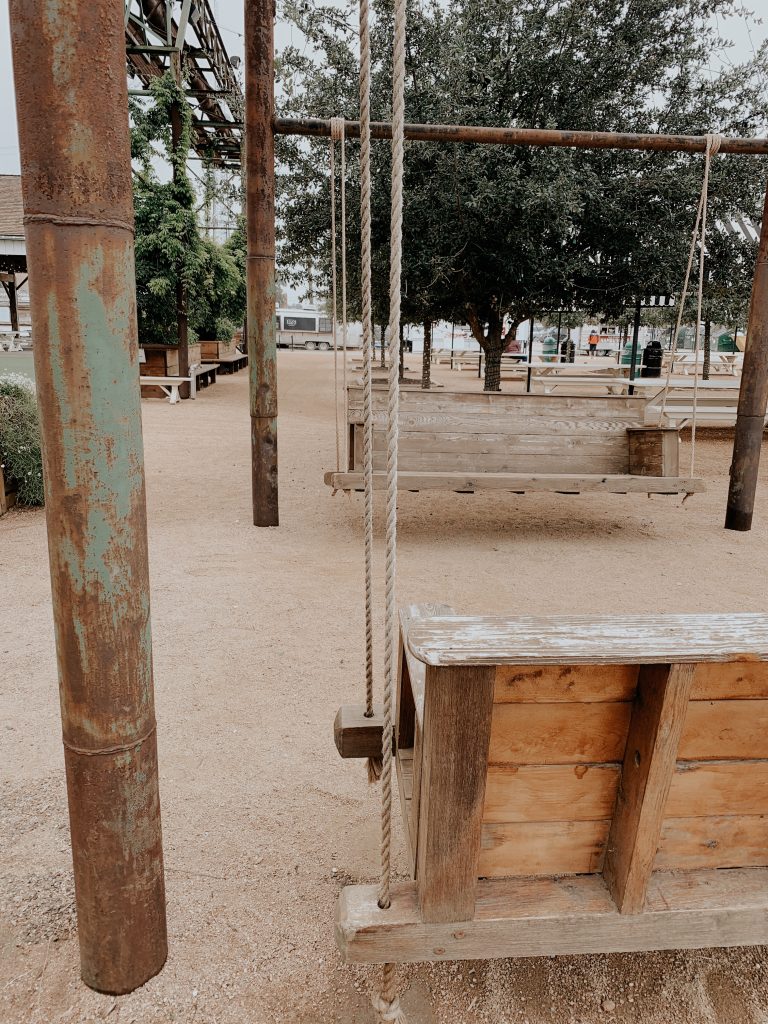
<point>258,639</point>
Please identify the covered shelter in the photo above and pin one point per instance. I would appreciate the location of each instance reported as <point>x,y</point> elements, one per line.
<point>13,250</point>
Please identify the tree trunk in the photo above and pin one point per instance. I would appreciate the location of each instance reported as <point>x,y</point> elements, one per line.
<point>401,372</point>
<point>426,359</point>
<point>707,349</point>
<point>492,381</point>
<point>383,346</point>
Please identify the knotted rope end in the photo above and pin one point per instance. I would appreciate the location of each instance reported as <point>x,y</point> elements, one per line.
<point>388,1012</point>
<point>374,767</point>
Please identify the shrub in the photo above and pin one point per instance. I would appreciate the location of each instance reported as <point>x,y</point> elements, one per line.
<point>20,438</point>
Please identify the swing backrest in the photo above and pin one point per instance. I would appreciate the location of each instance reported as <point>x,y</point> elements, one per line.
<point>452,431</point>
<point>577,745</point>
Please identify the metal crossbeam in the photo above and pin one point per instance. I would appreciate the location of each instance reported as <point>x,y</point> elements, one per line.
<point>160,31</point>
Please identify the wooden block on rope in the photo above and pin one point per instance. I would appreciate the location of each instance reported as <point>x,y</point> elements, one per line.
<point>358,736</point>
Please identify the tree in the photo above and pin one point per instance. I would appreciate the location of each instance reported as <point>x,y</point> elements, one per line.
<point>494,233</point>
<point>169,245</point>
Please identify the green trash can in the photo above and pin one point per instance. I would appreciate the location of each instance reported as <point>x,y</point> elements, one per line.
<point>726,342</point>
<point>549,352</point>
<point>626,354</point>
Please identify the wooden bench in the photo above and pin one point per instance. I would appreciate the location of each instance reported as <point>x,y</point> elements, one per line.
<point>574,785</point>
<point>465,441</point>
<point>200,376</point>
<point>230,363</point>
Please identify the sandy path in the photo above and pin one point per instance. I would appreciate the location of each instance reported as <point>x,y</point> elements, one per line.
<point>257,638</point>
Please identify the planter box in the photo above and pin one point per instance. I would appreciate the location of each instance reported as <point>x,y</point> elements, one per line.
<point>7,494</point>
<point>163,360</point>
<point>211,351</point>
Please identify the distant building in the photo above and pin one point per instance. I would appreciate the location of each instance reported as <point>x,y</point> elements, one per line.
<point>14,300</point>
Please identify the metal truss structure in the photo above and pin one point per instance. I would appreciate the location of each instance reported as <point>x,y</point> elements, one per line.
<point>163,34</point>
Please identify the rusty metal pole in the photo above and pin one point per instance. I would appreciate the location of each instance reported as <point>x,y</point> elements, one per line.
<point>260,223</point>
<point>69,64</point>
<point>753,397</point>
<point>182,320</point>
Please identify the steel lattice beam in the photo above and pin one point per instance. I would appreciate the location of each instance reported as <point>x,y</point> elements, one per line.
<point>156,30</point>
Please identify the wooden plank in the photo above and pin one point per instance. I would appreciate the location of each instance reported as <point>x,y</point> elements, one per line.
<point>586,442</point>
<point>731,681</point>
<point>704,788</point>
<point>588,639</point>
<point>517,917</point>
<point>458,704</point>
<point>611,463</point>
<point>545,684</point>
<point>558,733</point>
<point>714,842</point>
<point>535,793</point>
<point>358,736</point>
<point>511,425</point>
<point>404,766</point>
<point>654,451</point>
<point>415,669</point>
<point>658,715</point>
<point>484,403</point>
<point>542,848</point>
<point>724,729</point>
<point>521,482</point>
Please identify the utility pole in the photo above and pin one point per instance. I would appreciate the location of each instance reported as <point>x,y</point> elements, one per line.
<point>260,224</point>
<point>78,215</point>
<point>182,319</point>
<point>635,339</point>
<point>179,164</point>
<point>753,397</point>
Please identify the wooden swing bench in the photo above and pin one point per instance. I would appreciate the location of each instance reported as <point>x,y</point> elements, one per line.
<point>469,441</point>
<point>572,785</point>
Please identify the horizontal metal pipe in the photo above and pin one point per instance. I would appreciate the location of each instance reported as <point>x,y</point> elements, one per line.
<point>319,128</point>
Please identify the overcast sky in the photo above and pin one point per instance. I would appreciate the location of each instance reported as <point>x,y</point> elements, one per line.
<point>745,34</point>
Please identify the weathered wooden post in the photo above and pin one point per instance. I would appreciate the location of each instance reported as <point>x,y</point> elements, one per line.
<point>753,397</point>
<point>260,224</point>
<point>69,64</point>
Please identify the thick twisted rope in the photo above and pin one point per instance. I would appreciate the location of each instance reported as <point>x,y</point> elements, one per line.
<point>374,764</point>
<point>713,148</point>
<point>332,161</point>
<point>387,1005</point>
<point>393,402</point>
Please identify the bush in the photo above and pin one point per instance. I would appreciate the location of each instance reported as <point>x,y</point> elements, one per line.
<point>20,438</point>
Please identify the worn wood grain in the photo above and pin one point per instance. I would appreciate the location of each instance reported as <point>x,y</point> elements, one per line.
<point>558,733</point>
<point>703,788</point>
<point>560,792</point>
<point>542,848</point>
<point>547,684</point>
<point>653,451</point>
<point>452,789</point>
<point>589,639</point>
<point>517,917</point>
<point>658,714</point>
<point>354,734</point>
<point>730,681</point>
<point>724,729</point>
<point>519,483</point>
<point>713,842</point>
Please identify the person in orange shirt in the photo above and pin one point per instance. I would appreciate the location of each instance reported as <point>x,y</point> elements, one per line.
<point>592,341</point>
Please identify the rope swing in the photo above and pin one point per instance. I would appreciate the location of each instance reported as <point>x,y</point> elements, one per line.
<point>714,142</point>
<point>387,1003</point>
<point>337,135</point>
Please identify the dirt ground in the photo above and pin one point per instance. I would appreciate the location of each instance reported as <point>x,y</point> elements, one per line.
<point>257,640</point>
